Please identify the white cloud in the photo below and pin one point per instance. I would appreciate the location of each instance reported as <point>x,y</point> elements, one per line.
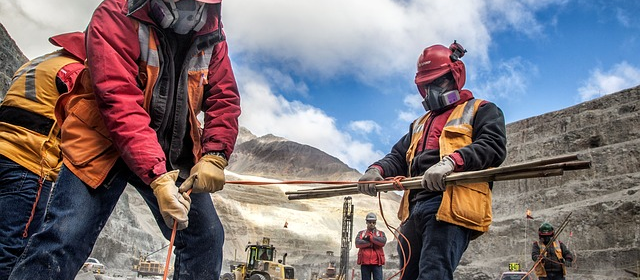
<point>264,112</point>
<point>519,15</point>
<point>508,79</point>
<point>365,127</point>
<point>412,108</point>
<point>369,39</point>
<point>31,23</point>
<point>620,77</point>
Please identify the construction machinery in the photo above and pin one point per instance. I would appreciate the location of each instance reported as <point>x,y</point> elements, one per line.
<point>147,267</point>
<point>347,237</point>
<point>330,272</point>
<point>260,264</point>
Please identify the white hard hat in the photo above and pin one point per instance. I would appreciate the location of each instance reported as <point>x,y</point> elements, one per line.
<point>371,217</point>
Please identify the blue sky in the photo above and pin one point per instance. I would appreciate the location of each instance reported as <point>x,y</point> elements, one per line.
<point>338,74</point>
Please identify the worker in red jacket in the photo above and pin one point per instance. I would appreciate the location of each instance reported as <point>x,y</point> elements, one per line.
<point>156,109</point>
<point>370,243</point>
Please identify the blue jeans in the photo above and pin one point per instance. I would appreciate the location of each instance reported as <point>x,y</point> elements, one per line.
<point>18,193</point>
<point>368,270</point>
<point>77,213</point>
<point>436,247</point>
<point>552,275</point>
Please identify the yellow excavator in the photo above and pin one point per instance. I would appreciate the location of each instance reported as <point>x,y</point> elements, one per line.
<point>260,264</point>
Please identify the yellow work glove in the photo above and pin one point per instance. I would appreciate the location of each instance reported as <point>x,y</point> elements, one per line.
<point>173,205</point>
<point>206,176</point>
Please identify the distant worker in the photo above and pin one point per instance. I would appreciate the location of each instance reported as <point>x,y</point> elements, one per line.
<point>555,258</point>
<point>457,133</point>
<point>370,243</point>
<point>29,137</point>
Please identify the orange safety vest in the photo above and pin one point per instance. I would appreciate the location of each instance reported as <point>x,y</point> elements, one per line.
<point>539,269</point>
<point>87,148</point>
<point>466,205</point>
<point>28,129</point>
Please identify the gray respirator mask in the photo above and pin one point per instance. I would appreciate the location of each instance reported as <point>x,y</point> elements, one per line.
<point>439,96</point>
<point>182,16</point>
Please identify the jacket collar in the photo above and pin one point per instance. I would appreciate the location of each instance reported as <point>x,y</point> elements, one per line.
<point>71,42</point>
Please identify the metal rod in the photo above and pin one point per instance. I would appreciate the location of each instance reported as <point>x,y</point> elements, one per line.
<point>541,168</point>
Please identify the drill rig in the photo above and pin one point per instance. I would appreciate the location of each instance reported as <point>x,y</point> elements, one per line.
<point>347,234</point>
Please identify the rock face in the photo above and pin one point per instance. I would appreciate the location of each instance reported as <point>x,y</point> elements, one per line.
<point>276,157</point>
<point>11,58</point>
<point>604,201</point>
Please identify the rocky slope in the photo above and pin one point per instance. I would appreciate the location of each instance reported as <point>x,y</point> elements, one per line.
<point>604,228</point>
<point>11,58</point>
<point>276,157</point>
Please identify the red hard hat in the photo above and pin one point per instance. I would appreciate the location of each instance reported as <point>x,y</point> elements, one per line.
<point>438,60</point>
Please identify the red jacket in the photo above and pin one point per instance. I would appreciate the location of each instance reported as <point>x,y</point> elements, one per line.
<point>123,45</point>
<point>371,247</point>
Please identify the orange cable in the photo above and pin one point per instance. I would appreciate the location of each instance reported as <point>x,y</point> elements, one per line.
<point>173,237</point>
<point>394,230</point>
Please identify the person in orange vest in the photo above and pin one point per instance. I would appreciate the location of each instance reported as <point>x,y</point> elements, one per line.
<point>370,243</point>
<point>29,136</point>
<point>556,257</point>
<point>156,109</point>
<point>457,133</point>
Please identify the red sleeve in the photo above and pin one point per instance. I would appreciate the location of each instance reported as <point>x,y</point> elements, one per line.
<point>458,160</point>
<point>69,73</point>
<point>112,51</point>
<point>221,104</point>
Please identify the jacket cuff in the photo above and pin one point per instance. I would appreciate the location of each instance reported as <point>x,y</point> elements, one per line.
<point>157,170</point>
<point>379,169</point>
<point>457,159</point>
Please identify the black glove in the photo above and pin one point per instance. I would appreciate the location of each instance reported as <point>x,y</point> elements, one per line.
<point>372,174</point>
<point>367,238</point>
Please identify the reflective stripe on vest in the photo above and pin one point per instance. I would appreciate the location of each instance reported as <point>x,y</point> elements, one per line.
<point>461,116</point>
<point>539,269</point>
<point>30,135</point>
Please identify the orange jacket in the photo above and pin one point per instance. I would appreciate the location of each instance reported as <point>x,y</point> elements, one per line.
<point>28,131</point>
<point>117,110</point>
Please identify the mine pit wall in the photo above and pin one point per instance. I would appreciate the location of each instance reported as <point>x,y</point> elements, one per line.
<point>11,58</point>
<point>604,200</point>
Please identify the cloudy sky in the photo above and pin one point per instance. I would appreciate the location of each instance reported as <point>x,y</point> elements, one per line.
<point>338,74</point>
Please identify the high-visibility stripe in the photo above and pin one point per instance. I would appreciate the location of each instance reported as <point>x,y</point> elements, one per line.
<point>29,73</point>
<point>32,65</point>
<point>468,113</point>
<point>27,119</point>
<point>147,53</point>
